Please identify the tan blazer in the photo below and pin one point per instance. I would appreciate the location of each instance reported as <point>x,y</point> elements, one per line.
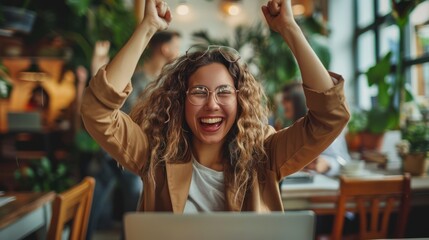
<point>288,150</point>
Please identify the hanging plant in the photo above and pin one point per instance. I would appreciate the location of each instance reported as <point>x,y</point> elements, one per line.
<point>104,20</point>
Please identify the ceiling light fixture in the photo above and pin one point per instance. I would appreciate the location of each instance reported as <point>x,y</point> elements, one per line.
<point>182,9</point>
<point>234,10</point>
<point>230,7</point>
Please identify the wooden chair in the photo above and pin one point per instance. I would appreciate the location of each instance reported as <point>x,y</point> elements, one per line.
<point>72,206</point>
<point>374,198</point>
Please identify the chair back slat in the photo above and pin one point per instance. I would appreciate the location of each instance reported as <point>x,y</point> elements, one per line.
<point>363,224</point>
<point>72,206</point>
<point>387,212</point>
<point>374,214</point>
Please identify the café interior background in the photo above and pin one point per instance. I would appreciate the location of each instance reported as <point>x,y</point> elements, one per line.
<point>385,64</point>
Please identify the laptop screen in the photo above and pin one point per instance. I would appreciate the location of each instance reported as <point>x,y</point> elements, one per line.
<point>220,226</point>
<point>24,121</point>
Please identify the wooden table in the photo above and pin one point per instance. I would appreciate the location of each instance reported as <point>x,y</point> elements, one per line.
<point>321,195</point>
<point>30,212</point>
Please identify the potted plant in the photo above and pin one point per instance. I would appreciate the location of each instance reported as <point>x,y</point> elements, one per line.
<point>41,176</point>
<point>355,127</point>
<point>366,130</point>
<point>414,148</point>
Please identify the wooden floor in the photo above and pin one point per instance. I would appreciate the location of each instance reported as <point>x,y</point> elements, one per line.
<point>107,235</point>
<point>113,232</point>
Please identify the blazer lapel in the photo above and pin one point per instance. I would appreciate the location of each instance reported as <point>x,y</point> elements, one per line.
<point>179,176</point>
<point>231,203</point>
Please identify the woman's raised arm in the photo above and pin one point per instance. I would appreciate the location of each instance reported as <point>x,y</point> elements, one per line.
<point>293,148</point>
<point>121,68</point>
<point>279,16</point>
<point>114,130</point>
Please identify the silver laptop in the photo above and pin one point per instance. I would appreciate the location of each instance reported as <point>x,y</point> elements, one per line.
<point>220,226</point>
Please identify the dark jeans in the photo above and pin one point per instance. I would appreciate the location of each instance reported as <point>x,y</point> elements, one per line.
<point>110,177</point>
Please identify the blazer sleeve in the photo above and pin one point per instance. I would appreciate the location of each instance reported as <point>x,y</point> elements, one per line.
<point>292,148</point>
<point>114,130</point>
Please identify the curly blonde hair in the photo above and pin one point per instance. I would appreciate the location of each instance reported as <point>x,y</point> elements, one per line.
<point>161,114</point>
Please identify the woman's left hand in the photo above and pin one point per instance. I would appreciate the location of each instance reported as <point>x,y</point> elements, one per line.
<point>278,14</point>
<point>320,165</point>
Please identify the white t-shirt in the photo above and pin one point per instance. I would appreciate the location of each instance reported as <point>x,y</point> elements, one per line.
<point>206,193</point>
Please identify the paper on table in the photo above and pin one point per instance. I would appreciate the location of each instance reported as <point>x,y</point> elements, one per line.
<point>5,200</point>
<point>320,182</point>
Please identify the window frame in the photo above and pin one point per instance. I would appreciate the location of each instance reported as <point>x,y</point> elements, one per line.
<point>379,22</point>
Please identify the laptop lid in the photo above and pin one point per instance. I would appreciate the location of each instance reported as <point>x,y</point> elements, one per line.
<point>24,121</point>
<point>220,226</point>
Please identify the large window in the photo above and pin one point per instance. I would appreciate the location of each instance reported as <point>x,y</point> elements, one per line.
<point>376,34</point>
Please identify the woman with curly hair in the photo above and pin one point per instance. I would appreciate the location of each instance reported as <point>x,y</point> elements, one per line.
<point>199,139</point>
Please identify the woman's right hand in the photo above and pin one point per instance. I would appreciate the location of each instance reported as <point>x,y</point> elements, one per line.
<point>100,56</point>
<point>279,15</point>
<point>157,14</point>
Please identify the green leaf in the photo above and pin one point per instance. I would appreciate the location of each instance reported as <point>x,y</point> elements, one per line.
<point>377,120</point>
<point>408,95</point>
<point>85,143</point>
<point>383,94</point>
<point>46,186</point>
<point>37,188</point>
<point>378,73</point>
<point>392,119</point>
<point>45,164</point>
<point>358,122</point>
<point>28,172</point>
<point>5,87</point>
<point>417,133</point>
<point>82,42</point>
<point>17,174</point>
<point>80,7</point>
<point>61,170</point>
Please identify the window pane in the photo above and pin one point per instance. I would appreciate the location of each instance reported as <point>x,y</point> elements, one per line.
<point>365,12</point>
<point>421,47</point>
<point>420,79</point>
<point>366,51</point>
<point>420,13</point>
<point>419,30</point>
<point>389,39</point>
<point>365,93</point>
<point>384,7</point>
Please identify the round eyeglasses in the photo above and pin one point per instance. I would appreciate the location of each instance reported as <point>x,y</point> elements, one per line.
<point>224,95</point>
<point>229,53</point>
